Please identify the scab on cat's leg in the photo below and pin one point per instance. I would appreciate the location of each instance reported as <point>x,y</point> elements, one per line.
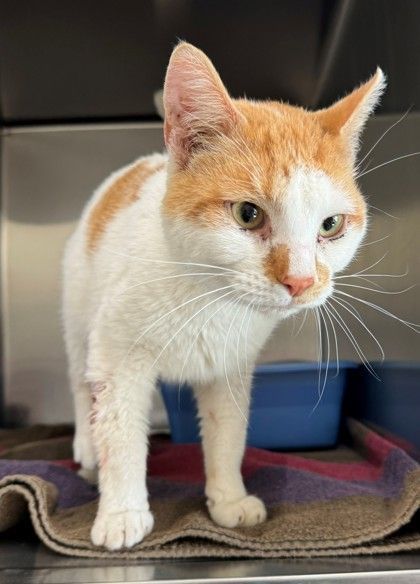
<point>223,413</point>
<point>120,428</point>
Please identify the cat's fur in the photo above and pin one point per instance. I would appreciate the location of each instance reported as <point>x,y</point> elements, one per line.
<point>129,289</point>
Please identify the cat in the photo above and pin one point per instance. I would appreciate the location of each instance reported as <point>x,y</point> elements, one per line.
<point>250,213</point>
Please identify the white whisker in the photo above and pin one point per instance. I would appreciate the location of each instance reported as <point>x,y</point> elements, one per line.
<point>189,301</point>
<point>384,212</point>
<point>196,338</point>
<point>302,323</point>
<point>251,312</point>
<point>340,321</point>
<point>371,266</point>
<point>188,274</point>
<point>363,278</point>
<point>319,351</point>
<point>173,337</point>
<point>375,290</point>
<point>388,162</point>
<point>327,312</point>
<point>171,262</point>
<point>347,306</point>
<point>321,393</point>
<point>237,351</point>
<point>372,276</point>
<point>379,140</point>
<point>375,241</point>
<point>411,325</point>
<point>224,358</point>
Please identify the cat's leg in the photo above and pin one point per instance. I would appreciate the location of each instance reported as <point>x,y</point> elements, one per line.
<point>223,431</point>
<point>122,403</point>
<point>83,448</point>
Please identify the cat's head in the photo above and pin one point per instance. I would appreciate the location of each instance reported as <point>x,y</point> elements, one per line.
<point>264,189</point>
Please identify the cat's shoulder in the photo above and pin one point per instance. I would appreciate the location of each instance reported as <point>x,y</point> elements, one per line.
<point>117,192</point>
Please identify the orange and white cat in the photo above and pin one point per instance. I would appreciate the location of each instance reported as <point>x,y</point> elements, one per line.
<point>247,217</point>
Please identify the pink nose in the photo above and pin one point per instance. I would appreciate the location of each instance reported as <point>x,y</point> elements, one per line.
<point>297,285</point>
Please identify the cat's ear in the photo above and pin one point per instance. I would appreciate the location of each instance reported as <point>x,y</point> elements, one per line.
<point>349,115</point>
<point>197,105</point>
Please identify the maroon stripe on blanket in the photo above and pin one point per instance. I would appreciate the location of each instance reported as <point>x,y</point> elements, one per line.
<point>183,462</point>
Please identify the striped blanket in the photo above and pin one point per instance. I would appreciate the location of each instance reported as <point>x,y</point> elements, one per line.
<point>360,498</point>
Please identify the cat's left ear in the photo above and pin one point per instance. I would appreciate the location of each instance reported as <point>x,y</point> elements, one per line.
<point>349,115</point>
<point>197,104</point>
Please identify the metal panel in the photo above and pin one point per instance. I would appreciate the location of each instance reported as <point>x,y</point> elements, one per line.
<point>48,173</point>
<point>29,562</point>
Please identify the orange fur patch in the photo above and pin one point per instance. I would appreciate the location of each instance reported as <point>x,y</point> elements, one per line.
<point>122,193</point>
<point>255,161</point>
<point>276,264</point>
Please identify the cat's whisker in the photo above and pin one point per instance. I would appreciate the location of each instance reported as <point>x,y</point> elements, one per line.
<point>237,351</point>
<point>188,274</point>
<point>251,312</point>
<point>375,241</point>
<point>411,325</point>
<point>172,262</point>
<point>327,312</point>
<point>224,358</point>
<point>319,347</point>
<point>302,324</point>
<point>363,278</point>
<point>353,307</point>
<point>360,272</point>
<point>189,301</point>
<point>342,324</point>
<point>181,377</point>
<point>173,337</point>
<point>388,162</point>
<point>384,212</point>
<point>375,290</point>
<point>379,140</point>
<point>321,392</point>
<point>348,307</point>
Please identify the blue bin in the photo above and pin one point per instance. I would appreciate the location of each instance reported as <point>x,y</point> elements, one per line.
<point>282,412</point>
<point>393,403</point>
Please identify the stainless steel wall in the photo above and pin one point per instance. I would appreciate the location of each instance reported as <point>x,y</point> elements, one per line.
<point>393,191</point>
<point>47,175</point>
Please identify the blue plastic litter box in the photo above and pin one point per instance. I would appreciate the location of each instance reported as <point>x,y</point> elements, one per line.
<point>282,412</point>
<point>393,403</point>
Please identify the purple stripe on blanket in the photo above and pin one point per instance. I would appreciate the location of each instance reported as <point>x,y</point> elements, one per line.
<point>282,484</point>
<point>72,489</point>
<point>273,484</point>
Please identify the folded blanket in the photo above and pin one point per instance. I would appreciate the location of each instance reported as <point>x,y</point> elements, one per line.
<point>360,499</point>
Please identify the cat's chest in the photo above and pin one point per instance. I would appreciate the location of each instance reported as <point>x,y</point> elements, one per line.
<point>211,345</point>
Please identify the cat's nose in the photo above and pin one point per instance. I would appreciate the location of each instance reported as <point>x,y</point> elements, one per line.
<point>297,284</point>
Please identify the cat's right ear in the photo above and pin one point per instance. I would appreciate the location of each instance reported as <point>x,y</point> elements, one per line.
<point>197,104</point>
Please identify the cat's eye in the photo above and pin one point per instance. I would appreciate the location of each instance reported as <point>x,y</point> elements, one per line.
<point>248,215</point>
<point>331,226</point>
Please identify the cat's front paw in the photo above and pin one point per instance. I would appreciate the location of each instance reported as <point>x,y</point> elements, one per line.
<point>121,530</point>
<point>248,510</point>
